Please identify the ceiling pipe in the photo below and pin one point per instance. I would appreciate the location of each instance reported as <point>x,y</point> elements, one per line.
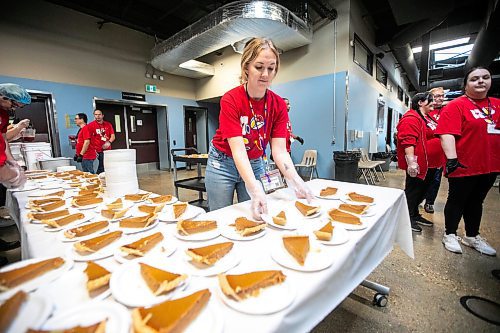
<point>487,44</point>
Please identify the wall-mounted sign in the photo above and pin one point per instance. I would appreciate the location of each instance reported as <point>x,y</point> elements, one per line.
<point>133,96</point>
<point>151,88</point>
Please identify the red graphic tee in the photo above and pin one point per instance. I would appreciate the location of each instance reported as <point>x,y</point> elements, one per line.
<point>99,134</point>
<point>83,135</point>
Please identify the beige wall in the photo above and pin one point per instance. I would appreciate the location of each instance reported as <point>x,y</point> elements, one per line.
<point>47,42</point>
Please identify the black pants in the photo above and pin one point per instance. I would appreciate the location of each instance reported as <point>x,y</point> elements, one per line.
<point>415,190</point>
<point>465,199</point>
<point>433,190</point>
<point>100,158</point>
<point>3,195</point>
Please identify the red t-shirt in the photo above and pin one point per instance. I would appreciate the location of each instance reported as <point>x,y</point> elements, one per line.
<point>99,134</point>
<point>435,153</point>
<point>83,135</point>
<point>236,119</point>
<point>4,123</point>
<point>476,148</point>
<point>412,132</point>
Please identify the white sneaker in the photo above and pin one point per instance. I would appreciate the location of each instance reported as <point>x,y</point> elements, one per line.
<point>451,243</point>
<point>480,244</point>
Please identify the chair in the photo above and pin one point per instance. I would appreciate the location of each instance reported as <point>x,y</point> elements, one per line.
<point>368,168</point>
<point>308,162</point>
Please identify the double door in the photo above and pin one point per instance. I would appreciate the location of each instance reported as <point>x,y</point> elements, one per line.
<point>135,128</point>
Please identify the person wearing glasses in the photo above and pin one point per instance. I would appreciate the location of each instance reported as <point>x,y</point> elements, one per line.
<point>85,153</point>
<point>102,136</point>
<point>432,192</point>
<point>12,96</point>
<point>469,128</point>
<point>251,116</point>
<point>413,154</point>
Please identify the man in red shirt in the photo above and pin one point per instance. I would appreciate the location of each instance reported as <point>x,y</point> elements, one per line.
<point>85,153</point>
<point>102,136</point>
<point>289,127</point>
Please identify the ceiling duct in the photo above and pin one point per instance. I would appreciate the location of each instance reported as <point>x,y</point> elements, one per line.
<point>228,25</point>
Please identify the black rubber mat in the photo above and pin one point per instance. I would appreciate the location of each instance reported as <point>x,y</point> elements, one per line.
<point>482,308</point>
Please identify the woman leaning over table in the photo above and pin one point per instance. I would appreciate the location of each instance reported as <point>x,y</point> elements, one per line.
<point>251,116</point>
<point>470,135</point>
<point>413,154</point>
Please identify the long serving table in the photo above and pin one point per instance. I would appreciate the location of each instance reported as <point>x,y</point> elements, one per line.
<point>317,293</point>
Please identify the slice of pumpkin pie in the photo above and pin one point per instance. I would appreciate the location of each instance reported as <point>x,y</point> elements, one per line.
<point>297,246</point>
<point>340,216</point>
<point>306,210</point>
<point>97,276</point>
<point>142,246</point>
<point>325,233</point>
<point>246,227</point>
<point>95,244</point>
<point>160,281</point>
<point>242,286</point>
<point>210,254</point>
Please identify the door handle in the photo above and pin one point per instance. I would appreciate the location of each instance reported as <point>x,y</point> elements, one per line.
<point>131,142</point>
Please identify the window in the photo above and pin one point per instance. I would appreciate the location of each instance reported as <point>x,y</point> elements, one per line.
<point>362,55</point>
<point>407,100</point>
<point>400,94</point>
<point>381,74</point>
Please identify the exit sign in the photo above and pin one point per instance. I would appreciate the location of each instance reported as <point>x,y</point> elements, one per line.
<point>151,88</point>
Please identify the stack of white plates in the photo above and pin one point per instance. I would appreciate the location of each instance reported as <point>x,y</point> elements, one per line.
<point>121,174</point>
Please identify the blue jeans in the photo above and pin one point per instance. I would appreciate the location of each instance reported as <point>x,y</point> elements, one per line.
<point>433,190</point>
<point>222,178</point>
<point>100,167</point>
<point>88,166</point>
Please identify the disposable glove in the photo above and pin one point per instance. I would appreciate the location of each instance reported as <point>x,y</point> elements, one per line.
<point>300,188</point>
<point>106,145</point>
<point>299,139</point>
<point>452,164</point>
<point>79,158</point>
<point>258,198</point>
<point>413,168</point>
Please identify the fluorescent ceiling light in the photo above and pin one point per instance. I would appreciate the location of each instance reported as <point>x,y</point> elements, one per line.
<point>443,44</point>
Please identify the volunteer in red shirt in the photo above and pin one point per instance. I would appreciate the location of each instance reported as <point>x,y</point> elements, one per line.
<point>251,116</point>
<point>432,192</point>
<point>85,153</point>
<point>469,127</point>
<point>291,136</point>
<point>102,136</point>
<point>414,129</point>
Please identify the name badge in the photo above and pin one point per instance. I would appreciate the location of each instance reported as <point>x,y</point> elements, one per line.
<point>272,181</point>
<point>492,129</point>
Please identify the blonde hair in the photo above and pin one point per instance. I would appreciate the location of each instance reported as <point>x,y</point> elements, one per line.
<point>436,90</point>
<point>252,51</point>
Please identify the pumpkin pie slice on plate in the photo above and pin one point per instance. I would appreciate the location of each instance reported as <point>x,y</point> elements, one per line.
<point>325,233</point>
<point>246,227</point>
<point>306,210</point>
<point>340,216</point>
<point>48,216</point>
<point>86,202</point>
<point>10,309</point>
<point>179,209</point>
<point>188,227</point>
<point>50,206</point>
<point>85,230</point>
<point>249,284</point>
<point>210,254</point>
<point>137,197</point>
<point>359,197</point>
<point>298,247</point>
<point>160,199</point>
<point>170,316</point>
<point>55,194</point>
<point>40,202</point>
<point>150,209</point>
<point>61,222</point>
<point>138,222</point>
<point>356,209</point>
<point>280,219</point>
<point>97,276</point>
<point>114,214</point>
<point>115,205</point>
<point>15,277</point>
<point>95,244</point>
<point>99,327</point>
<point>327,191</point>
<point>160,281</point>
<point>142,246</point>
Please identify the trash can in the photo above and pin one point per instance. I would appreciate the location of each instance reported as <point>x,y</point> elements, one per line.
<point>346,165</point>
<point>383,156</point>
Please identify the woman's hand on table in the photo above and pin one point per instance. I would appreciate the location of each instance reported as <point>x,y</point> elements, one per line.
<point>258,198</point>
<point>302,191</point>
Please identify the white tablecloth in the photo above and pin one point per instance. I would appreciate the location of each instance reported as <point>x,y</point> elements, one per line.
<point>318,293</point>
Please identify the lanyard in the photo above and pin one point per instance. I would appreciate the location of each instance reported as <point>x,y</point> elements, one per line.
<point>484,111</point>
<point>261,139</point>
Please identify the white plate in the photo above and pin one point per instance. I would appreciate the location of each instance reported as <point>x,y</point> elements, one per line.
<point>127,214</point>
<point>347,200</point>
<point>129,231</point>
<point>105,252</point>
<point>62,238</point>
<point>296,211</point>
<point>227,262</point>
<point>201,236</point>
<point>173,200</point>
<point>339,236</point>
<point>168,214</point>
<point>369,212</point>
<point>87,206</point>
<point>290,224</point>
<point>164,249</point>
<point>25,188</point>
<point>38,281</point>
<point>44,193</point>
<point>206,321</point>
<point>74,284</point>
<point>32,314</point>
<point>317,259</point>
<point>71,211</point>
<point>87,216</point>
<point>129,288</point>
<point>352,227</point>
<point>230,233</point>
<point>51,186</point>
<point>66,205</point>
<point>118,317</point>
<point>270,300</point>
<point>335,196</point>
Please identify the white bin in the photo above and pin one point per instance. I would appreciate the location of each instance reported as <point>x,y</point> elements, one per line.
<point>34,152</point>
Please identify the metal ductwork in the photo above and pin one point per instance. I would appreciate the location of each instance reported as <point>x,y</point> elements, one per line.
<point>487,43</point>
<point>404,56</point>
<point>228,25</point>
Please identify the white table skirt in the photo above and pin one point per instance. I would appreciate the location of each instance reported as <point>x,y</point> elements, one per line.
<point>318,293</point>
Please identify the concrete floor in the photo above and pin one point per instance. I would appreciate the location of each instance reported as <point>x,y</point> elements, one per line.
<point>425,291</point>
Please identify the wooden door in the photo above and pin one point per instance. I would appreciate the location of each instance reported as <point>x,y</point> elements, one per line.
<point>190,129</point>
<point>143,133</point>
<point>113,113</point>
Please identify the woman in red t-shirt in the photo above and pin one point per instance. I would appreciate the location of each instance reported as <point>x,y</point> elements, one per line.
<point>251,116</point>
<point>415,131</point>
<point>470,136</point>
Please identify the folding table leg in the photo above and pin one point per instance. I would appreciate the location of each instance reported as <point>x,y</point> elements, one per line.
<point>381,171</point>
